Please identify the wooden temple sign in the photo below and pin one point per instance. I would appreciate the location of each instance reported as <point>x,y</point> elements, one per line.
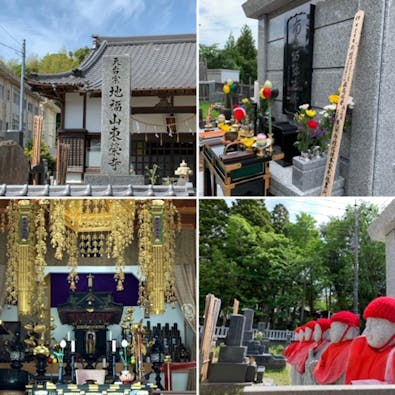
<point>341,110</point>
<point>37,130</point>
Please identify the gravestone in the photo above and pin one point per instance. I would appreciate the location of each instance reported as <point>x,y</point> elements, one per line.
<point>14,166</point>
<point>115,134</point>
<point>232,366</point>
<point>298,60</point>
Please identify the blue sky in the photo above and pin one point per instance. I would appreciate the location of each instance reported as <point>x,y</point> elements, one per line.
<point>51,25</point>
<point>321,208</point>
<point>219,18</point>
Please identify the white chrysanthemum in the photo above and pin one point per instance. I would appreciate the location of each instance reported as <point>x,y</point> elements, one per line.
<point>330,107</point>
<point>351,102</point>
<point>304,107</point>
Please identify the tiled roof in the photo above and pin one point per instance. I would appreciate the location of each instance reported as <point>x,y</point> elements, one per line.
<point>157,62</point>
<point>96,190</point>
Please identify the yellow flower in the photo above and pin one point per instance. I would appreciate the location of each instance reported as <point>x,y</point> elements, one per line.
<point>334,99</point>
<point>301,117</point>
<point>245,100</point>
<point>226,89</point>
<point>225,127</point>
<point>311,113</point>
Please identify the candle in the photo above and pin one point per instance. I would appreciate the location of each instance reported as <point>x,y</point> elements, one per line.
<point>104,363</point>
<point>110,336</point>
<point>68,336</point>
<point>256,92</point>
<point>73,346</point>
<point>114,345</point>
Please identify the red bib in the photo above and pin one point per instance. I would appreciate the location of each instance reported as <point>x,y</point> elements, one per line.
<point>290,349</point>
<point>300,354</point>
<point>367,362</point>
<point>333,363</point>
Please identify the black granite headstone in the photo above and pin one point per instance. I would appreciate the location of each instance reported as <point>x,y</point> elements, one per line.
<point>298,60</point>
<point>236,330</point>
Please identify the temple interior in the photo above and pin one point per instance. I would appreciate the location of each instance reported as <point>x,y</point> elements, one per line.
<point>98,290</point>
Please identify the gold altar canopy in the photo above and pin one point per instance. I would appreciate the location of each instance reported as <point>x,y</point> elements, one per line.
<point>77,228</point>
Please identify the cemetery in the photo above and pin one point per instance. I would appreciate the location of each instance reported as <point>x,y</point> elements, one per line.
<point>330,348</point>
<point>320,108</point>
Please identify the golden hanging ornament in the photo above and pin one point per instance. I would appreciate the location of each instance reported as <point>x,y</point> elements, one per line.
<point>159,221</point>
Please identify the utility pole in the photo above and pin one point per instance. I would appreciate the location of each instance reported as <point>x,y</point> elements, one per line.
<point>22,88</point>
<point>356,256</point>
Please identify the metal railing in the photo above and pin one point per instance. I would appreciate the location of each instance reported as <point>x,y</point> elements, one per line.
<point>268,334</point>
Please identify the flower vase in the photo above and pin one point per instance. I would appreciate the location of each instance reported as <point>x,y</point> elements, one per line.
<point>316,151</point>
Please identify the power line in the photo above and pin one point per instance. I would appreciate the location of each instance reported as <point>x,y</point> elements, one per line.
<point>14,49</point>
<point>17,41</point>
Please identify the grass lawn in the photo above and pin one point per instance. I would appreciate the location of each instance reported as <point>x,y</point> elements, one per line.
<point>279,377</point>
<point>204,107</point>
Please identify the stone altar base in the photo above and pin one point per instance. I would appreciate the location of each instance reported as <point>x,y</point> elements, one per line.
<point>102,179</point>
<point>308,174</point>
<point>227,372</point>
<point>281,183</point>
<point>231,353</point>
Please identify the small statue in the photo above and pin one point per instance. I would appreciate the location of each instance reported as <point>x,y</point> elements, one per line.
<point>296,355</point>
<point>322,342</point>
<point>331,367</point>
<point>372,354</point>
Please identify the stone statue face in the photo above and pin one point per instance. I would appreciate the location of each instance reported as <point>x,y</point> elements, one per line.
<point>337,330</point>
<point>301,335</point>
<point>307,334</point>
<point>317,334</point>
<point>326,334</point>
<point>378,332</point>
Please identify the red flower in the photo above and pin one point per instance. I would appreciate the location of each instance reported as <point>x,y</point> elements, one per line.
<point>266,92</point>
<point>312,124</point>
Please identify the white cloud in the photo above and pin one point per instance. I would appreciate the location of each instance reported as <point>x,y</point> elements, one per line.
<point>217,19</point>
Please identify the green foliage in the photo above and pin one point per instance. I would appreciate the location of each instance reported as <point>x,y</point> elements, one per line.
<point>238,54</point>
<point>254,211</point>
<point>286,271</point>
<point>152,173</point>
<point>339,258</point>
<point>280,218</point>
<point>277,350</point>
<point>44,153</point>
<point>50,63</point>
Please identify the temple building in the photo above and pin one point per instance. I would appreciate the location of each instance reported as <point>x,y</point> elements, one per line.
<point>162,118</point>
<point>100,289</point>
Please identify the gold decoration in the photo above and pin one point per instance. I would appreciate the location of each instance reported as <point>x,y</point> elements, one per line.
<point>83,226</point>
<point>159,221</point>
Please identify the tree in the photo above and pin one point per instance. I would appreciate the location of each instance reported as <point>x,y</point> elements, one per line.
<point>280,218</point>
<point>247,51</point>
<point>339,253</point>
<point>50,63</point>
<point>254,211</point>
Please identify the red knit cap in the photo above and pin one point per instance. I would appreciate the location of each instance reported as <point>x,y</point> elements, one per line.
<point>346,317</point>
<point>324,323</point>
<point>382,307</point>
<point>310,324</point>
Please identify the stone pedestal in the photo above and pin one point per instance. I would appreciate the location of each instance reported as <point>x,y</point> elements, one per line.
<point>309,173</point>
<point>102,179</point>
<point>227,372</point>
<point>232,366</point>
<point>232,353</point>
